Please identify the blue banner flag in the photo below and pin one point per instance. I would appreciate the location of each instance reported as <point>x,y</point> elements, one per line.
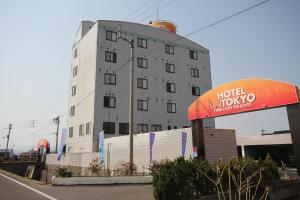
<point>183,143</point>
<point>151,142</point>
<point>62,143</point>
<point>101,146</point>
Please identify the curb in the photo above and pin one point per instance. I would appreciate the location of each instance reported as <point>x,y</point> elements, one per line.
<point>92,180</point>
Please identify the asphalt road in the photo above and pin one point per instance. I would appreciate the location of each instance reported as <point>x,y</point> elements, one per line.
<point>12,190</point>
<point>9,190</point>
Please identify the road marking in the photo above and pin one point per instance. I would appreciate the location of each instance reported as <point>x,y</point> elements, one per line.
<point>30,188</point>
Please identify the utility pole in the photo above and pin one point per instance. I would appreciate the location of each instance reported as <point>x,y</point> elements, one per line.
<point>131,99</point>
<point>157,17</point>
<point>56,121</point>
<point>8,135</point>
<point>131,127</point>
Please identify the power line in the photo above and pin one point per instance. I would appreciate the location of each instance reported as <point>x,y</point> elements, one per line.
<point>42,128</point>
<point>61,98</point>
<point>165,6</point>
<point>193,32</point>
<point>84,72</point>
<point>147,9</point>
<point>179,6</point>
<point>54,105</point>
<point>80,101</point>
<point>226,18</point>
<point>180,38</point>
<point>212,24</point>
<point>138,9</point>
<point>82,77</point>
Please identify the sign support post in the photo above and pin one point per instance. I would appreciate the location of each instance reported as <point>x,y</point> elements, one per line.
<point>198,137</point>
<point>293,112</point>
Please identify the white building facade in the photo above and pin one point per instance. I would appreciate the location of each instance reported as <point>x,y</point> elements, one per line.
<point>170,72</point>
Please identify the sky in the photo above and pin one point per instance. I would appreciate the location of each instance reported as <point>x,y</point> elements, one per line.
<point>36,40</point>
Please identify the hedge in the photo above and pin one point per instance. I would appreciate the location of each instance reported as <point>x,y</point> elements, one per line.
<point>194,178</point>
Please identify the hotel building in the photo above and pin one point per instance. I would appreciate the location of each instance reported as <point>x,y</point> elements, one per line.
<point>170,72</point>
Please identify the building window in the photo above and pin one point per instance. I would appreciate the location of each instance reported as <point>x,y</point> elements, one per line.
<point>110,79</point>
<point>110,56</point>
<point>71,131</point>
<point>142,62</point>
<point>195,91</point>
<point>110,35</point>
<point>88,128</point>
<point>123,128</point>
<point>74,90</point>
<point>142,43</point>
<point>142,105</point>
<point>75,53</point>
<point>142,128</point>
<point>156,127</point>
<point>75,71</point>
<point>170,68</point>
<point>169,49</point>
<point>72,111</point>
<point>170,87</point>
<point>109,102</point>
<point>169,127</point>
<point>171,107</point>
<point>109,127</point>
<point>194,72</point>
<point>81,129</point>
<point>193,55</point>
<point>142,83</point>
<point>70,150</point>
<point>175,127</point>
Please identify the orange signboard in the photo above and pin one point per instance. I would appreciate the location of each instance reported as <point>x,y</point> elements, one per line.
<point>164,25</point>
<point>243,96</point>
<point>44,143</point>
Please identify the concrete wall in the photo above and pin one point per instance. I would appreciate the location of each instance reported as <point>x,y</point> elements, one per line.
<point>219,143</point>
<point>16,167</point>
<point>273,139</point>
<point>285,190</point>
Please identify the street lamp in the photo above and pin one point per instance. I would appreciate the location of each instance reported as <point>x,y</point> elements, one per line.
<point>131,100</point>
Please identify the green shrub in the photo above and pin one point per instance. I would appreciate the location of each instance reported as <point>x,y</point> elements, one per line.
<point>63,172</point>
<point>180,179</point>
<point>191,179</point>
<point>269,171</point>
